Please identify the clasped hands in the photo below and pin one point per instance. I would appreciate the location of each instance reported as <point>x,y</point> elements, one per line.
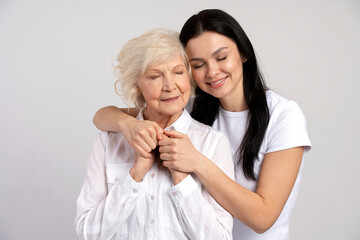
<point>175,150</point>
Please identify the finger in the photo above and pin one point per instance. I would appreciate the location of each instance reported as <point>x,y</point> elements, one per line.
<point>166,157</point>
<point>150,141</point>
<point>165,149</point>
<point>153,134</point>
<point>167,164</point>
<point>159,131</point>
<point>141,152</point>
<point>142,144</point>
<point>166,141</point>
<point>174,134</point>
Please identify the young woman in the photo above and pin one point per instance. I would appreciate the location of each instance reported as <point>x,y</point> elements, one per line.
<point>126,196</point>
<point>267,132</point>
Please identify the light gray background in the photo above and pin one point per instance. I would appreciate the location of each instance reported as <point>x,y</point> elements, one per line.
<point>55,72</point>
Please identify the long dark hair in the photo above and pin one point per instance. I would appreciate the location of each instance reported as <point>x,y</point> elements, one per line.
<point>206,107</point>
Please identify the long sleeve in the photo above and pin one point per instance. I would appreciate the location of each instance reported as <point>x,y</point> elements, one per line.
<point>100,212</point>
<point>199,214</point>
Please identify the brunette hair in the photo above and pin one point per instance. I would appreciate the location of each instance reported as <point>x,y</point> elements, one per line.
<point>206,107</point>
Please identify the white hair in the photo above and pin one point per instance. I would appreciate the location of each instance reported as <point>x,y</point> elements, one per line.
<point>154,47</point>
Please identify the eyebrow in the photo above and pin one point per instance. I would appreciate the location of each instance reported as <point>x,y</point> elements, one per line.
<point>157,70</point>
<point>213,54</point>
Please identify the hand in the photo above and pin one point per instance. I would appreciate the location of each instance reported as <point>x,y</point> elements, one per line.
<point>142,136</point>
<point>178,153</point>
<point>141,166</point>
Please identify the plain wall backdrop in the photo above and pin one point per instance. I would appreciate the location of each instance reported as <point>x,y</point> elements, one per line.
<point>55,72</point>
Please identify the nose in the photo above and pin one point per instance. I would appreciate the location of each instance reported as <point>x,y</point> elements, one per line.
<point>212,69</point>
<point>169,83</point>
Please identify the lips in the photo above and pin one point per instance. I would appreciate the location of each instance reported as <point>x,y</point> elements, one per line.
<point>171,99</point>
<point>217,83</point>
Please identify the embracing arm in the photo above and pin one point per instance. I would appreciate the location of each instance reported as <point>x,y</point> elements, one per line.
<point>113,119</point>
<point>260,209</point>
<point>142,136</point>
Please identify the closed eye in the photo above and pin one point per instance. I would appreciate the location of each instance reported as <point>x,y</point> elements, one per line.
<point>221,59</point>
<point>154,77</point>
<point>198,65</point>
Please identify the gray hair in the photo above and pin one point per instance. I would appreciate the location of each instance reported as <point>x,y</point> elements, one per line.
<point>154,47</point>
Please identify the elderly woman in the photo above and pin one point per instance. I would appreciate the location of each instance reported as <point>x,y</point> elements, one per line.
<point>126,196</point>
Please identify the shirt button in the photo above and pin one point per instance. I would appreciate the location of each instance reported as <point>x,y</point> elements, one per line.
<point>134,190</point>
<point>152,198</point>
<point>152,221</point>
<point>174,193</point>
<point>153,175</point>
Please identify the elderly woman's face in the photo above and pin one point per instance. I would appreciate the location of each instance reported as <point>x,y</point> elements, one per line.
<point>166,87</point>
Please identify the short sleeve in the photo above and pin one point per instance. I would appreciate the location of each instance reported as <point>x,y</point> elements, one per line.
<point>287,128</point>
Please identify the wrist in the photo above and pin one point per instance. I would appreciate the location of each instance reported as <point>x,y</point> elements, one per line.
<point>137,172</point>
<point>124,122</point>
<point>177,177</point>
<point>135,175</point>
<point>200,167</point>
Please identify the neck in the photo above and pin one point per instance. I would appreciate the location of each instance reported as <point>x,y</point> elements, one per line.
<point>234,102</point>
<point>162,120</point>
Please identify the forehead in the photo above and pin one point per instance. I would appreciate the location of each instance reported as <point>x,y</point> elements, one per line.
<point>169,64</point>
<point>208,43</point>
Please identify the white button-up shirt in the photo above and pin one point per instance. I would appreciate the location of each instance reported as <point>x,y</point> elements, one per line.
<point>112,205</point>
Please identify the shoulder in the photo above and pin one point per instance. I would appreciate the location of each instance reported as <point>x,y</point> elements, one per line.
<point>108,139</point>
<point>211,143</point>
<point>207,138</point>
<point>287,125</point>
<point>204,129</point>
<point>278,103</point>
<point>282,109</point>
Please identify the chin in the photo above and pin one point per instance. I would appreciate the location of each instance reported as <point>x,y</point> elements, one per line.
<point>217,93</point>
<point>172,111</point>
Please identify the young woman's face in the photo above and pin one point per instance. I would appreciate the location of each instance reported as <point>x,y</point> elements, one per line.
<point>216,64</point>
<point>166,88</point>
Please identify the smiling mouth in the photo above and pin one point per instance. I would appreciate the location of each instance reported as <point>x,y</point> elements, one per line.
<point>218,83</point>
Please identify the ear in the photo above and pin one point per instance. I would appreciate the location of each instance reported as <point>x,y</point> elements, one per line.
<point>243,57</point>
<point>138,87</point>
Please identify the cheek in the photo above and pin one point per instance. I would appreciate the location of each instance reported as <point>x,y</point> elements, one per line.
<point>234,66</point>
<point>184,85</point>
<point>197,76</point>
<point>150,91</point>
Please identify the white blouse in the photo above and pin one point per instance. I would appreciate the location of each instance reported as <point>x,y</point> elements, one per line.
<point>112,205</point>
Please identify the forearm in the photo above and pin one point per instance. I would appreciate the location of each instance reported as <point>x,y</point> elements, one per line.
<point>247,206</point>
<point>112,119</point>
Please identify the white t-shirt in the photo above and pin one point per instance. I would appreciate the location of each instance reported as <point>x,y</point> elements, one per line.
<point>286,129</point>
<point>112,205</point>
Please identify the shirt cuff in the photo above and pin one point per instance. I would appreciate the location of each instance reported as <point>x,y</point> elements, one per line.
<point>130,187</point>
<point>183,189</point>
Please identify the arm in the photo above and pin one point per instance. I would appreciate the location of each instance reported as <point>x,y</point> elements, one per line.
<point>110,118</point>
<point>142,136</point>
<point>260,209</point>
<point>279,169</point>
<point>99,212</point>
<point>200,215</point>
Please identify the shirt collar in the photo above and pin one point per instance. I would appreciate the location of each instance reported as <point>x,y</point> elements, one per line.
<point>181,124</point>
